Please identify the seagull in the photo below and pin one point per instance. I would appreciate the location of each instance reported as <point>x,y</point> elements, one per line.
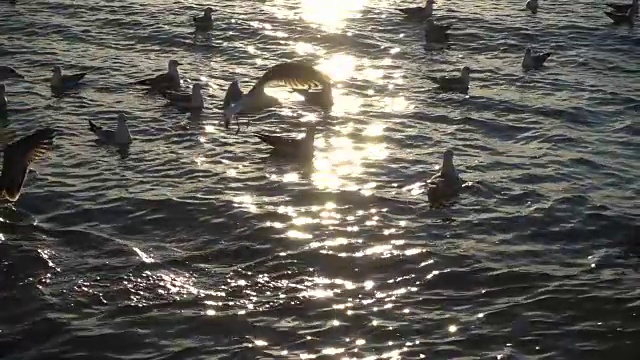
<point>453,83</point>
<point>3,98</point>
<point>205,21</point>
<point>532,5</point>
<point>619,19</point>
<point>193,101</point>
<point>61,82</point>
<point>293,74</point>
<point>419,12</point>
<point>301,148</point>
<point>435,33</point>
<point>624,8</point>
<point>167,81</point>
<point>17,158</point>
<point>531,61</point>
<point>446,184</point>
<point>7,72</point>
<point>120,136</point>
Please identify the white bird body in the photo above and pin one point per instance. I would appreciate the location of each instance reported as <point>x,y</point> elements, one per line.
<point>121,135</point>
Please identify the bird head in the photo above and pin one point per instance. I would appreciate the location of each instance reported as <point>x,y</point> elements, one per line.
<point>466,71</point>
<point>311,130</point>
<point>3,89</point>
<point>447,161</point>
<point>208,11</point>
<point>57,70</point>
<point>122,118</point>
<point>173,64</point>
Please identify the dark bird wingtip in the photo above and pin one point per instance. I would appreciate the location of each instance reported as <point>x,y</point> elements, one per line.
<point>92,126</point>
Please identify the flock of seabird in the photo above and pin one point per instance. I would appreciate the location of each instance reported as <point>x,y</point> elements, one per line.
<point>304,79</point>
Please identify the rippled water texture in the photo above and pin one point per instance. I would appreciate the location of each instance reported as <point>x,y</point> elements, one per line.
<point>198,245</point>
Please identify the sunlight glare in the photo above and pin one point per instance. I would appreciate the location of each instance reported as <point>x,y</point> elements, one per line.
<point>331,15</point>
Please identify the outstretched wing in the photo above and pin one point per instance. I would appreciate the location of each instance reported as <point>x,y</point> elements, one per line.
<point>293,74</point>
<point>17,158</point>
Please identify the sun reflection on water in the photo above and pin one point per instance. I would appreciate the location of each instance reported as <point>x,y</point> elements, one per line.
<point>331,15</point>
<point>339,67</point>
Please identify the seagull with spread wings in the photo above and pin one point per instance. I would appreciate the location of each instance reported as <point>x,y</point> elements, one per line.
<point>296,75</point>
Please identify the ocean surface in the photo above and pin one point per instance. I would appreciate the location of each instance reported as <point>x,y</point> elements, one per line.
<point>197,244</point>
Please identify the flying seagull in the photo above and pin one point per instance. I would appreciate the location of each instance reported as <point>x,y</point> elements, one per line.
<point>293,74</point>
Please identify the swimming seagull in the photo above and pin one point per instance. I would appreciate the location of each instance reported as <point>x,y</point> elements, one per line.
<point>446,184</point>
<point>419,12</point>
<point>120,136</point>
<point>619,19</point>
<point>624,8</point>
<point>167,81</point>
<point>7,72</point>
<point>531,61</point>
<point>293,74</point>
<point>193,101</point>
<point>61,82</point>
<point>453,83</point>
<point>435,33</point>
<point>17,158</point>
<point>532,5</point>
<point>301,148</point>
<point>205,21</point>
